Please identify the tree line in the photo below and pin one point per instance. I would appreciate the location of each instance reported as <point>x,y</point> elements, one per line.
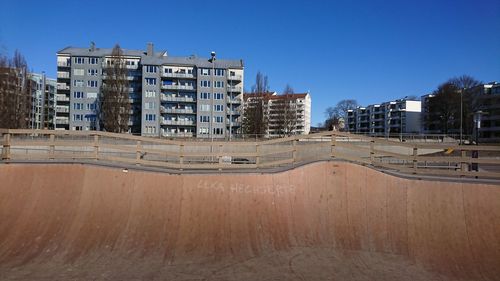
<point>444,106</point>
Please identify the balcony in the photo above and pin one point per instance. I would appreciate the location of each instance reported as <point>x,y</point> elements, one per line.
<point>62,98</point>
<point>179,75</point>
<point>64,75</point>
<point>178,122</point>
<point>234,77</point>
<point>233,101</point>
<point>63,121</point>
<point>179,135</point>
<point>176,110</point>
<point>64,63</point>
<point>234,88</point>
<point>233,112</point>
<point>178,87</point>
<point>233,124</point>
<point>62,86</point>
<point>63,109</point>
<point>178,99</point>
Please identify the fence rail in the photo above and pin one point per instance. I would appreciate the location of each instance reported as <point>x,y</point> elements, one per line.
<point>441,159</point>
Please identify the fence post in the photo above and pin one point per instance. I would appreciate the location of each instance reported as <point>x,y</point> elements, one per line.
<point>52,146</point>
<point>219,156</point>
<point>96,147</point>
<point>138,151</point>
<point>181,156</point>
<point>415,159</point>
<point>463,164</point>
<point>6,147</point>
<point>333,143</point>
<point>372,150</point>
<point>294,153</point>
<point>257,157</point>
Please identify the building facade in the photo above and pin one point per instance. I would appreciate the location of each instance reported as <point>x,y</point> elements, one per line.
<point>299,116</point>
<point>401,116</point>
<point>487,113</point>
<point>169,96</point>
<point>43,91</point>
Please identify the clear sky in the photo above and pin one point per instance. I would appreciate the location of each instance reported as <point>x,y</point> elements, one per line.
<point>371,51</point>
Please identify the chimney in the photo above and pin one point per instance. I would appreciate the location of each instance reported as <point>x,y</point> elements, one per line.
<point>149,51</point>
<point>92,46</point>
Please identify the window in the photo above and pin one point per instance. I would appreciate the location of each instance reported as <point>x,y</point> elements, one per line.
<point>93,60</point>
<point>167,70</point>
<point>218,107</point>
<point>205,96</point>
<point>232,73</point>
<point>78,71</point>
<point>218,119</point>
<point>218,96</point>
<point>91,95</point>
<point>90,106</point>
<point>151,69</point>
<point>204,118</point>
<point>150,117</point>
<point>205,83</point>
<point>149,105</point>
<point>203,131</point>
<point>150,81</point>
<point>78,83</point>
<point>77,117</point>
<point>78,95</point>
<point>190,71</point>
<point>130,62</point>
<point>150,129</point>
<point>79,60</point>
<point>150,93</point>
<point>204,107</point>
<point>78,106</point>
<point>219,84</point>
<point>219,72</point>
<point>205,71</point>
<point>92,84</point>
<point>218,131</point>
<point>92,72</point>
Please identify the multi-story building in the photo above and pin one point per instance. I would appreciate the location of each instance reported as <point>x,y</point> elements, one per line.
<point>385,119</point>
<point>487,113</point>
<point>169,96</point>
<point>300,112</point>
<point>43,92</point>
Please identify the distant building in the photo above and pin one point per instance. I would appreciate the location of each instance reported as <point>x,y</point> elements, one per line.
<point>43,92</point>
<point>487,101</point>
<point>169,96</point>
<point>385,119</point>
<point>300,104</point>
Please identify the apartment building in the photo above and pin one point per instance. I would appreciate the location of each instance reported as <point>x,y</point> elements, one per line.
<point>299,106</point>
<point>43,91</point>
<point>487,113</point>
<point>169,96</point>
<point>385,119</point>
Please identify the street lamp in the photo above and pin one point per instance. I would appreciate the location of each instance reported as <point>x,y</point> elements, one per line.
<point>461,113</point>
<point>477,120</point>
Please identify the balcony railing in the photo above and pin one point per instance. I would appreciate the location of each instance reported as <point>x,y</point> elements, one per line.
<point>62,108</point>
<point>180,99</point>
<point>178,75</point>
<point>62,74</point>
<point>179,135</point>
<point>178,122</point>
<point>234,88</point>
<point>178,87</point>
<point>63,87</point>
<point>233,101</point>
<point>176,110</point>
<point>64,63</point>
<point>62,121</point>
<point>62,98</point>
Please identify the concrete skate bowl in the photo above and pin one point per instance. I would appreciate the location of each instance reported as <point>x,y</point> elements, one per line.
<point>323,221</point>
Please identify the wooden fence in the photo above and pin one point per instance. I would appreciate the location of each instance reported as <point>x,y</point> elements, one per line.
<point>405,157</point>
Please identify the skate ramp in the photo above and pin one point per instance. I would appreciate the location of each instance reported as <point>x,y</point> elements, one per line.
<point>323,221</point>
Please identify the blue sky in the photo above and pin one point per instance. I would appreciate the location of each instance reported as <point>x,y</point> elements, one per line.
<point>371,51</point>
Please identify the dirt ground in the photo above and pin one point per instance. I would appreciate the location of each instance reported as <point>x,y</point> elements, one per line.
<point>323,221</point>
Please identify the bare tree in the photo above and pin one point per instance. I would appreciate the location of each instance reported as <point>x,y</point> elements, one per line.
<point>254,116</point>
<point>334,115</point>
<point>15,92</point>
<point>114,109</point>
<point>284,112</point>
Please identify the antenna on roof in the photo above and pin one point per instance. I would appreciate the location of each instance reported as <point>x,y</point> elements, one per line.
<point>92,46</point>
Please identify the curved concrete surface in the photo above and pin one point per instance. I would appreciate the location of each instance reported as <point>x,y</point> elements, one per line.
<point>323,221</point>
